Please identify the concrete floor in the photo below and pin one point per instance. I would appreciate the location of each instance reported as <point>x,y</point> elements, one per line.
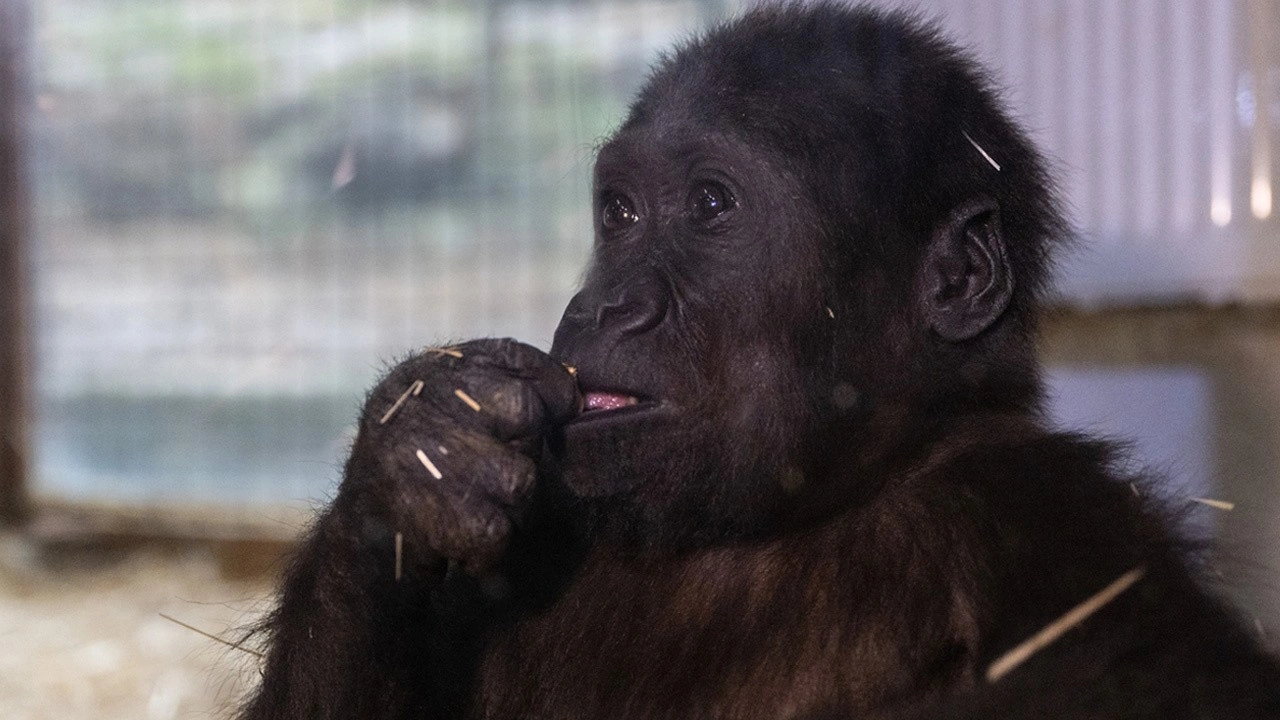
<point>81,635</point>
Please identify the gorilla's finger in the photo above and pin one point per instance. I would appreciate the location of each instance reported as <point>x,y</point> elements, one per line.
<point>484,468</point>
<point>463,496</point>
<point>552,381</point>
<point>512,400</point>
<point>558,389</point>
<point>468,529</point>
<point>507,353</point>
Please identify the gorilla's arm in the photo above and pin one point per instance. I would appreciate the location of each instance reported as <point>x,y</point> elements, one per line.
<point>442,470</point>
<point>346,635</point>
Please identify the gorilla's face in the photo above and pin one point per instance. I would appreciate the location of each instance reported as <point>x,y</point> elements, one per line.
<point>799,269</point>
<point>697,334</point>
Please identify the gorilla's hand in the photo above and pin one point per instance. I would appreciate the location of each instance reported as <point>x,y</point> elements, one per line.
<point>448,446</point>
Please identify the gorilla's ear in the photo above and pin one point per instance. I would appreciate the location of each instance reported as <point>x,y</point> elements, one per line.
<point>967,281</point>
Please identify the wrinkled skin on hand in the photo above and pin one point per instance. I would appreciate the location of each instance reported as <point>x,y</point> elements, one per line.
<point>476,416</point>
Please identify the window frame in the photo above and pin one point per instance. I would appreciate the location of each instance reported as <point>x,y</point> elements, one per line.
<point>15,387</point>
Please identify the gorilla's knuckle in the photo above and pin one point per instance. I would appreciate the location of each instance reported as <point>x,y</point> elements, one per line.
<point>495,528</point>
<point>469,523</point>
<point>513,355</point>
<point>522,478</point>
<point>513,479</point>
<point>477,529</point>
<point>518,404</point>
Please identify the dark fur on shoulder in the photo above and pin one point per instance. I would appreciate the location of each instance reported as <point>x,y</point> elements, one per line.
<point>801,470</point>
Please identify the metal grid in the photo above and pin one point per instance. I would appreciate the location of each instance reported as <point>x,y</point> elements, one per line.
<point>242,207</point>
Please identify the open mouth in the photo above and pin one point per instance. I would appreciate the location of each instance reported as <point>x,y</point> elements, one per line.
<point>596,404</point>
<point>604,401</point>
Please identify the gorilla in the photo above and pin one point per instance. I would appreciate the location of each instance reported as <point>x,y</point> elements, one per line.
<point>787,456</point>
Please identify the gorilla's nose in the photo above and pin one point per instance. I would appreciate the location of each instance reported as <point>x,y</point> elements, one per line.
<point>632,311</point>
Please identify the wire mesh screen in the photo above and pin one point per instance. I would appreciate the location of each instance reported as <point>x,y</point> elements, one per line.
<point>243,208</point>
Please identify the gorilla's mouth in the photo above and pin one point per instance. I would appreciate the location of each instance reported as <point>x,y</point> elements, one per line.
<point>596,401</point>
<point>599,404</point>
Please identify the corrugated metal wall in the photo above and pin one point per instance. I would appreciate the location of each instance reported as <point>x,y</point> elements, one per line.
<point>1162,116</point>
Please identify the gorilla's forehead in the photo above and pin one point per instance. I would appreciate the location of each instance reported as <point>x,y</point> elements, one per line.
<point>811,120</point>
<point>682,142</point>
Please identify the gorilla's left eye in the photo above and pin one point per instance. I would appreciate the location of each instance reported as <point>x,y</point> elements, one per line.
<point>710,200</point>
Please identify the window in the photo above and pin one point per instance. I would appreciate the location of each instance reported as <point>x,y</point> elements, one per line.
<point>241,209</point>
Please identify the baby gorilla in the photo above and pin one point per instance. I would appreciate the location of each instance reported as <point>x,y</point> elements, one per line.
<point>786,457</point>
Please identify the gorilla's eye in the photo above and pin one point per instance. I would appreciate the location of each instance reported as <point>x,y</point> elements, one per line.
<point>709,200</point>
<point>618,212</point>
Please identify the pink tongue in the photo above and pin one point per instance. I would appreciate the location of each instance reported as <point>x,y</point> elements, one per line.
<point>606,401</point>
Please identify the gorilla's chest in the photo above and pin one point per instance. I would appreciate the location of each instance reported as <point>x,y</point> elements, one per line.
<point>723,640</point>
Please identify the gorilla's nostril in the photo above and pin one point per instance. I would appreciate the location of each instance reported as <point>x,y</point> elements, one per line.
<point>632,313</point>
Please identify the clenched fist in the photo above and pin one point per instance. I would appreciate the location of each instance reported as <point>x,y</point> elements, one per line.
<point>448,445</point>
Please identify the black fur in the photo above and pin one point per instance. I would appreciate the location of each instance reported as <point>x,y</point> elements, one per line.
<point>837,497</point>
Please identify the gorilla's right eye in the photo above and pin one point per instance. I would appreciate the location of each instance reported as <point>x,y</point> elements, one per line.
<point>618,212</point>
<point>710,200</point>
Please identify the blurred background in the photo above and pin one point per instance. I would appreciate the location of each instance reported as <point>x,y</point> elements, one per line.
<point>220,219</point>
